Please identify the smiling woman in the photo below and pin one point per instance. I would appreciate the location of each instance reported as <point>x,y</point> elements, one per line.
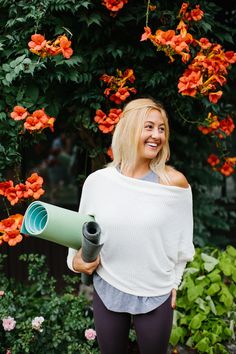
<point>140,205</point>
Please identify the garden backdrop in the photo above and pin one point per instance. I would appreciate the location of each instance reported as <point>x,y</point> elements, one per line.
<point>67,68</point>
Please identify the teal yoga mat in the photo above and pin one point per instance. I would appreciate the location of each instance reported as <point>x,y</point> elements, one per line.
<point>56,224</point>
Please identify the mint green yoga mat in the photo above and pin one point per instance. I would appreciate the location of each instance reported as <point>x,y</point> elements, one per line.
<point>56,224</point>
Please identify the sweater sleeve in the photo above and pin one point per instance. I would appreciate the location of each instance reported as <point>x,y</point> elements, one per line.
<point>186,248</point>
<point>82,209</point>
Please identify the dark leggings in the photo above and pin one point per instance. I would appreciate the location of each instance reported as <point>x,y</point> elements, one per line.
<point>152,328</point>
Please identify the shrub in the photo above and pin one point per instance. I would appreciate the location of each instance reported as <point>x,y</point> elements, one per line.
<point>43,318</point>
<point>205,316</point>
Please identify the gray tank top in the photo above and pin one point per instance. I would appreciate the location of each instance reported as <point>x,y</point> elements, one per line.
<point>118,301</point>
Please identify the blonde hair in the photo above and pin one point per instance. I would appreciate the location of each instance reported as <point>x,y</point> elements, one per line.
<point>127,135</point>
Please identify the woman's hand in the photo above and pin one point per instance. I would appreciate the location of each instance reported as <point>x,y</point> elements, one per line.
<point>173,298</point>
<point>80,266</point>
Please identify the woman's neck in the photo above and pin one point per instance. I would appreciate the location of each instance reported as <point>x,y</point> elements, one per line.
<point>139,170</point>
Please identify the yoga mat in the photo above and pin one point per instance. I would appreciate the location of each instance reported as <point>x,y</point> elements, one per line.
<point>90,246</point>
<point>53,223</point>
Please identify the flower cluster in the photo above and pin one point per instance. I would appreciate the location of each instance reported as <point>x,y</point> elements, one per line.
<point>10,230</point>
<point>10,227</point>
<point>226,168</point>
<point>33,122</point>
<point>90,334</point>
<point>114,5</point>
<point>106,123</point>
<point>170,43</point>
<point>220,128</point>
<point>207,72</point>
<point>118,90</point>
<point>37,323</point>
<point>40,46</point>
<point>31,188</point>
<point>195,14</point>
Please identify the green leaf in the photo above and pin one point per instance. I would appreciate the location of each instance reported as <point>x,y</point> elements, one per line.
<point>177,335</point>
<point>209,262</point>
<point>214,276</point>
<point>194,292</point>
<point>211,304</point>
<point>226,296</point>
<point>231,251</point>
<point>196,321</point>
<point>203,345</point>
<point>213,289</point>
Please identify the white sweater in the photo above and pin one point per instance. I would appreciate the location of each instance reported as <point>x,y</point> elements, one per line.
<point>147,230</point>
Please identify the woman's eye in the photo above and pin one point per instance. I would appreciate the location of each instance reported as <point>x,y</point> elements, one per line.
<point>148,126</point>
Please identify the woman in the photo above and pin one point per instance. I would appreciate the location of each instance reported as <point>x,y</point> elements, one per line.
<point>144,209</point>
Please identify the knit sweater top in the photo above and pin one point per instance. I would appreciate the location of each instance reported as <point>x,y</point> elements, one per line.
<point>147,231</point>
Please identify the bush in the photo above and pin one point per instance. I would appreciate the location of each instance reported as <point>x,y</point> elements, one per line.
<point>204,319</point>
<point>206,310</point>
<point>59,320</point>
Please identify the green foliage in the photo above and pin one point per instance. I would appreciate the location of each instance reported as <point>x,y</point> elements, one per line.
<point>203,320</point>
<point>205,314</point>
<point>66,316</point>
<point>71,91</point>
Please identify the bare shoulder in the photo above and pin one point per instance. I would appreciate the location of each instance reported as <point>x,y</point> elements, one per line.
<point>177,178</point>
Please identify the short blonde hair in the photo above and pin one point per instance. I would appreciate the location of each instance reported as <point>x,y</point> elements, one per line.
<point>127,135</point>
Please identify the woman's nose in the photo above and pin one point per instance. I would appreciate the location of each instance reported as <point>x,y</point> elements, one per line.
<point>155,133</point>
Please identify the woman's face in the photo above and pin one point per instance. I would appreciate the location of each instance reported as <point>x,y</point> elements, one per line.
<point>153,136</point>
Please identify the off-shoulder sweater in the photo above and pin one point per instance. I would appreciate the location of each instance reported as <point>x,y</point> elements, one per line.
<point>146,228</point>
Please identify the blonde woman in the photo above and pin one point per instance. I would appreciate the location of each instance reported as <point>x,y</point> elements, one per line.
<point>144,209</point>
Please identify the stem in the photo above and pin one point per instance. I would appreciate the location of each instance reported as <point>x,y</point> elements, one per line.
<point>185,119</point>
<point>147,12</point>
<point>6,207</point>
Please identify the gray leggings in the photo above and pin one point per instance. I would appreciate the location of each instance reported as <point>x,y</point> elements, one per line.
<point>152,328</point>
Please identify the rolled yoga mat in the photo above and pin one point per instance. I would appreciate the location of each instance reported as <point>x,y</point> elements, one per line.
<point>90,246</point>
<point>56,224</point>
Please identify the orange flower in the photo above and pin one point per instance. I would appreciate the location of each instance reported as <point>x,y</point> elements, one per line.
<point>4,186</point>
<point>120,95</point>
<point>110,153</point>
<point>37,190</point>
<point>38,121</point>
<point>107,123</point>
<point>230,56</point>
<point>152,7</point>
<point>11,195</point>
<point>8,224</point>
<point>18,219</point>
<point>34,178</point>
<point>146,34</point>
<point>189,82</point>
<point>37,43</point>
<point>23,191</point>
<point>12,223</point>
<point>114,5</point>
<point>215,96</point>
<point>65,47</point>
<point>196,14</point>
<point>183,8</point>
<point>19,113</point>
<point>100,116</point>
<point>13,237</point>
<point>231,160</point>
<point>213,160</point>
<point>204,43</point>
<point>32,123</point>
<point>226,169</point>
<point>227,125</point>
<point>34,183</point>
